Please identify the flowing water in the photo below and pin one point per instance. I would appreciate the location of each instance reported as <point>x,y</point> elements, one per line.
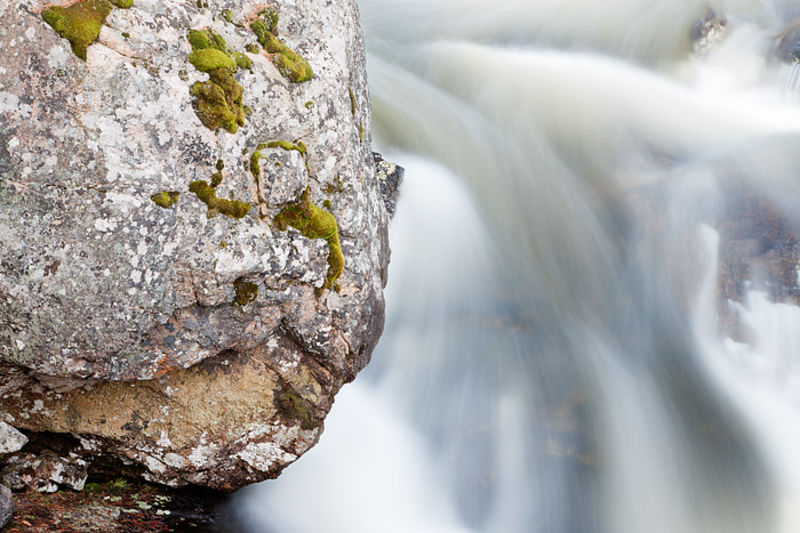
<point>554,360</point>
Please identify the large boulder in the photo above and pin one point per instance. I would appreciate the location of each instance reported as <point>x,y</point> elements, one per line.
<point>193,239</point>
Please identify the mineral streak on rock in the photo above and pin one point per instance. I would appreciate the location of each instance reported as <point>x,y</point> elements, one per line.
<point>193,350</point>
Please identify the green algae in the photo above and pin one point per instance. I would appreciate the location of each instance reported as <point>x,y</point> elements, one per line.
<point>246,291</point>
<point>315,223</point>
<point>80,22</point>
<point>165,199</point>
<point>289,63</point>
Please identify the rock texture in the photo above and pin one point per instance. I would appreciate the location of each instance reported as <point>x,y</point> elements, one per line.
<point>787,45</point>
<point>6,505</point>
<point>759,249</point>
<point>709,31</point>
<point>11,440</point>
<point>45,473</point>
<point>196,343</point>
<point>390,177</point>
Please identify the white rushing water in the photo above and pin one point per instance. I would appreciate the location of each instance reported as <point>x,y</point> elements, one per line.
<point>552,360</point>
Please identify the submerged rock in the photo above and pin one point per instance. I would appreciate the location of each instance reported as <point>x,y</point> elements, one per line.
<point>709,31</point>
<point>758,250</point>
<point>130,227</point>
<point>787,46</point>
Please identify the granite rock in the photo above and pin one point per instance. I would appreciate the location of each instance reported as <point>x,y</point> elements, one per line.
<point>200,347</point>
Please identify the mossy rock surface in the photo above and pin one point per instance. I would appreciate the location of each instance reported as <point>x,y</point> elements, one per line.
<point>218,101</point>
<point>80,22</point>
<point>157,311</point>
<point>288,62</point>
<point>315,223</point>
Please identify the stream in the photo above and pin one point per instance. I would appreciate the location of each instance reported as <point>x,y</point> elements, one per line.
<point>558,354</point>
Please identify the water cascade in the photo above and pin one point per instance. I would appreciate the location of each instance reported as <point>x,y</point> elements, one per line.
<point>558,355</point>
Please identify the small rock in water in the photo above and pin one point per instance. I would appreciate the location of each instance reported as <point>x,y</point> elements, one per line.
<point>709,31</point>
<point>390,176</point>
<point>787,48</point>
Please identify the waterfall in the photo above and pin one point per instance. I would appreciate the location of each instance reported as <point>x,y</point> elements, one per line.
<point>555,358</point>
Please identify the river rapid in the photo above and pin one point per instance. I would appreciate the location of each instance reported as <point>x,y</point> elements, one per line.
<point>555,358</point>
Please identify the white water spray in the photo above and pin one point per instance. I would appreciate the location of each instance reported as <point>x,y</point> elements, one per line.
<point>552,361</point>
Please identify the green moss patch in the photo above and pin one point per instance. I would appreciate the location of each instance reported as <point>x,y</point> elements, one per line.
<point>289,63</point>
<point>246,291</point>
<point>218,101</point>
<point>208,59</point>
<point>353,102</point>
<point>298,146</point>
<point>315,223</point>
<point>165,199</point>
<point>208,195</point>
<point>255,166</point>
<point>295,407</point>
<point>80,22</point>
